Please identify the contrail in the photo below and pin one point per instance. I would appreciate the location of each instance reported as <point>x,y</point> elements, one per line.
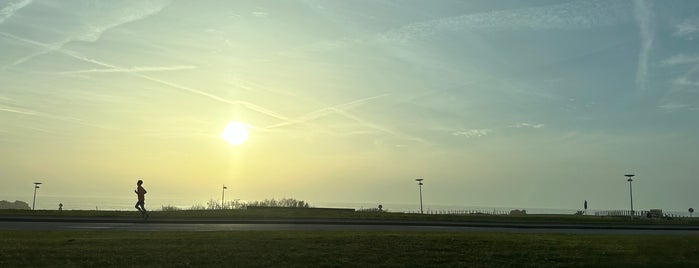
<point>11,9</point>
<point>42,114</point>
<point>340,109</point>
<point>250,86</point>
<point>17,111</point>
<point>92,33</point>
<point>324,111</point>
<point>75,55</point>
<point>131,70</point>
<point>644,17</point>
<point>381,128</point>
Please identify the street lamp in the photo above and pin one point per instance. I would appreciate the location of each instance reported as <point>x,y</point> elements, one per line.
<point>630,176</point>
<point>419,183</point>
<point>223,195</point>
<point>36,186</point>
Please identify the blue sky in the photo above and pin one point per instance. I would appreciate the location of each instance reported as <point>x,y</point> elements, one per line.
<point>493,103</point>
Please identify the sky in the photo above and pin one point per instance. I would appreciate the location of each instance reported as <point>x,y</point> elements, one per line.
<point>525,104</point>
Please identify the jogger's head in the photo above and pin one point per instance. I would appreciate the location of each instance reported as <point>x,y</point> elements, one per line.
<point>139,182</point>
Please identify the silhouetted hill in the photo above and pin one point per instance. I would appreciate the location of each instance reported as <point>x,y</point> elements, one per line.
<point>4,204</point>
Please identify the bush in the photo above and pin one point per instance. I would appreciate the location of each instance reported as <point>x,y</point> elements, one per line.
<point>283,203</point>
<point>4,204</point>
<point>197,207</point>
<point>237,204</point>
<point>170,208</point>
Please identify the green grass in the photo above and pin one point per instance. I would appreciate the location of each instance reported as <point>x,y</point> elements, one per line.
<point>341,249</point>
<point>339,214</point>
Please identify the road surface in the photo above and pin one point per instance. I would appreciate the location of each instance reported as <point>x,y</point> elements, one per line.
<point>121,224</point>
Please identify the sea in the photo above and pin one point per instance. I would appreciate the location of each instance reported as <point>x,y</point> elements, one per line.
<point>114,203</point>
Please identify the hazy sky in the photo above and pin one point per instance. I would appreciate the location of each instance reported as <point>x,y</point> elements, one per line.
<point>493,103</point>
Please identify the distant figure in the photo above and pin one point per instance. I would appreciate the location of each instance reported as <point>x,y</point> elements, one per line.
<point>140,204</point>
<point>60,206</point>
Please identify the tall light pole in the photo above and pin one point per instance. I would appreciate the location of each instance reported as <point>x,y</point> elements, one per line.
<point>419,183</point>
<point>630,176</point>
<point>36,186</point>
<point>223,195</point>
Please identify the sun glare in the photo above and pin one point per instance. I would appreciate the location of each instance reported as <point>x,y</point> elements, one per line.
<point>235,133</point>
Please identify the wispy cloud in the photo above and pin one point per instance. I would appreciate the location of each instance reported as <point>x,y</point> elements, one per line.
<point>91,33</point>
<point>76,55</point>
<point>688,29</point>
<point>248,105</point>
<point>572,15</point>
<point>644,17</point>
<point>583,14</point>
<point>673,107</point>
<point>260,14</point>
<point>681,59</point>
<point>472,133</point>
<point>11,9</point>
<point>683,81</point>
<point>527,125</point>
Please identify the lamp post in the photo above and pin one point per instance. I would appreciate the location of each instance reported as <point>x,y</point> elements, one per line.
<point>630,176</point>
<point>419,183</point>
<point>223,195</point>
<point>36,186</point>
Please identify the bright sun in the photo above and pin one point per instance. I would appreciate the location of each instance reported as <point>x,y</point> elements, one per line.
<point>235,133</point>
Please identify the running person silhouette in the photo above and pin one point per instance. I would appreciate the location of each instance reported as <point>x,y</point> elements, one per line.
<point>140,204</point>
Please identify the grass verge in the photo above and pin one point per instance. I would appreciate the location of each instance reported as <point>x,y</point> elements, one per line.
<point>341,249</point>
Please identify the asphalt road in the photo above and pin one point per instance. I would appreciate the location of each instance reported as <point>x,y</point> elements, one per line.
<point>85,224</point>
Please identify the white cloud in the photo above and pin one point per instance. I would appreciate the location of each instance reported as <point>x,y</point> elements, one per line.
<point>472,133</point>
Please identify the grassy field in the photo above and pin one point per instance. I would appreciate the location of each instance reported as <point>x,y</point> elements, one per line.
<point>341,249</point>
<point>344,214</point>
